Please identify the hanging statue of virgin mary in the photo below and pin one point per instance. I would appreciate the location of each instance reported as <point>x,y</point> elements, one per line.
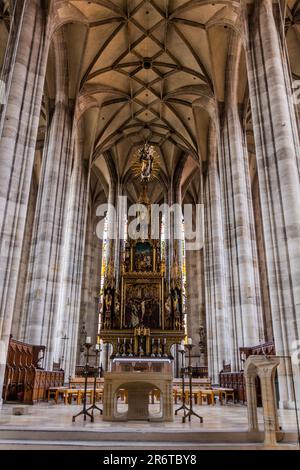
<point>146,160</point>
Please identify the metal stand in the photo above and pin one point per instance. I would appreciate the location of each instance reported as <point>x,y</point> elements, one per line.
<point>190,412</point>
<point>96,374</point>
<point>183,406</point>
<point>84,411</point>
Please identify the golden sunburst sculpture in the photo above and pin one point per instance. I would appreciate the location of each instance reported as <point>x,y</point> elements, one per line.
<point>145,164</point>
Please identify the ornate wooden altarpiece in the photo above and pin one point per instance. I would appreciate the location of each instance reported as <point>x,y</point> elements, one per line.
<point>142,317</point>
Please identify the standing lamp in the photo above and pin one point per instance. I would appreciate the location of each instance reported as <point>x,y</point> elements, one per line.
<point>183,406</point>
<point>96,374</point>
<point>84,410</point>
<point>190,412</point>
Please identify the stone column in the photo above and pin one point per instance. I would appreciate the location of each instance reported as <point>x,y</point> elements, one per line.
<point>261,251</point>
<point>195,303</point>
<point>17,148</point>
<point>16,10</point>
<point>47,250</point>
<point>18,323</point>
<point>89,310</point>
<point>277,152</point>
<point>243,288</point>
<point>214,272</point>
<point>72,271</point>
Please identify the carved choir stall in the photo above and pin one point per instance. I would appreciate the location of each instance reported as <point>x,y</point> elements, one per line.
<point>235,380</point>
<point>25,379</point>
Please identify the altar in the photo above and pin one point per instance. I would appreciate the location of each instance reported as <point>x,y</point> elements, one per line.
<point>137,379</point>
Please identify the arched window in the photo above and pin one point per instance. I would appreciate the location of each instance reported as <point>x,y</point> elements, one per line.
<point>103,268</point>
<point>183,270</point>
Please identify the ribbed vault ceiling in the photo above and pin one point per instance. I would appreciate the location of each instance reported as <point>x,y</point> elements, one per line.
<point>140,69</point>
<point>144,64</point>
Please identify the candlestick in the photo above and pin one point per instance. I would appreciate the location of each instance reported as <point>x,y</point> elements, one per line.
<point>84,411</point>
<point>183,407</point>
<point>94,407</point>
<point>190,412</point>
<point>124,348</point>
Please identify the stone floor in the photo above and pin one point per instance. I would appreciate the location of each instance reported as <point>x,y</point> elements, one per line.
<point>52,416</point>
<point>49,426</point>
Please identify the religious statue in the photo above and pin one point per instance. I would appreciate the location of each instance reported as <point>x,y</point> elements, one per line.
<point>134,315</point>
<point>117,312</point>
<point>168,314</point>
<point>108,298</point>
<point>176,309</point>
<point>146,159</point>
<point>158,259</point>
<point>143,309</point>
<point>176,306</point>
<point>127,259</point>
<point>202,342</point>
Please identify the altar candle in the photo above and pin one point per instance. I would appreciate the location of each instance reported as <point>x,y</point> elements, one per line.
<point>88,340</point>
<point>190,341</point>
<point>165,340</point>
<point>118,340</point>
<point>97,347</point>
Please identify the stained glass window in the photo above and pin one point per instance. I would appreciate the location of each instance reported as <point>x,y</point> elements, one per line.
<point>103,269</point>
<point>183,267</point>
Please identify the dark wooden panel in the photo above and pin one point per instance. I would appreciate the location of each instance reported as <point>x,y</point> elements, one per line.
<point>25,380</point>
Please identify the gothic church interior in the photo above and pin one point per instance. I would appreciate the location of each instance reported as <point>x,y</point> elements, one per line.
<point>150,222</point>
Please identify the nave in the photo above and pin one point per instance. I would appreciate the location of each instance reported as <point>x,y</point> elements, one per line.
<point>150,220</point>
